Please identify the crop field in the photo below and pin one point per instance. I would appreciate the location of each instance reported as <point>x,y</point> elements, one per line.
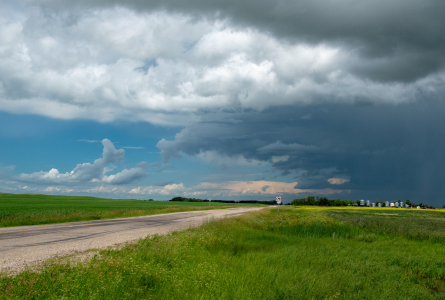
<point>19,210</point>
<point>296,253</point>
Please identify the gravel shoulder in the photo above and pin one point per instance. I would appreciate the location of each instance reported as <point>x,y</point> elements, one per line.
<point>25,246</point>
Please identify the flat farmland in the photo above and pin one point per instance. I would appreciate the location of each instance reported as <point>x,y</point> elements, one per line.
<point>28,209</point>
<point>296,253</point>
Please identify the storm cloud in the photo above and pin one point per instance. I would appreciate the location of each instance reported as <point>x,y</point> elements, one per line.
<point>377,151</point>
<point>402,38</point>
<point>337,96</point>
<point>164,62</point>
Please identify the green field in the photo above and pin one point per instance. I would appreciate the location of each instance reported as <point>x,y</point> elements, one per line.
<point>297,253</point>
<point>19,210</point>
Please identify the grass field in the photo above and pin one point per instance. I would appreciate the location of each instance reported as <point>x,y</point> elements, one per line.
<point>294,254</point>
<point>19,210</point>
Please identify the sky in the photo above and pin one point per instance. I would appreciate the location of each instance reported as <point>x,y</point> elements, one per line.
<point>216,99</point>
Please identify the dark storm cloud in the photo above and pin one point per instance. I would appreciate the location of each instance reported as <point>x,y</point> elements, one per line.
<point>145,60</point>
<point>400,40</point>
<point>386,151</point>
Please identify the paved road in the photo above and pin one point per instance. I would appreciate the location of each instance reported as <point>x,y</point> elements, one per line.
<point>31,244</point>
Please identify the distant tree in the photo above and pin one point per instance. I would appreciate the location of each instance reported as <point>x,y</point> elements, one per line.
<point>178,199</point>
<point>186,199</point>
<point>310,200</point>
<point>323,201</point>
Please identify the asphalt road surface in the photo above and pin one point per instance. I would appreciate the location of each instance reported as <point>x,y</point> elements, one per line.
<point>27,245</point>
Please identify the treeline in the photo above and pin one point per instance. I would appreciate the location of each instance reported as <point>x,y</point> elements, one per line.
<point>183,199</point>
<point>321,201</point>
<point>186,199</point>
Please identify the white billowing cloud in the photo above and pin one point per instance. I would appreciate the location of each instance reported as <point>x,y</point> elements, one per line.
<point>115,63</point>
<point>58,189</point>
<point>219,189</point>
<point>205,190</point>
<point>87,172</point>
<point>116,190</point>
<point>127,176</point>
<point>262,187</point>
<point>169,189</point>
<point>338,180</point>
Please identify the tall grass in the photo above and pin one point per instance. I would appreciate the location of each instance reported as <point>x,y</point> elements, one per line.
<point>415,225</point>
<point>292,254</point>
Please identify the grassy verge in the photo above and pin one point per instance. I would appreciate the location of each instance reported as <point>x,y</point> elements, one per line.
<point>293,254</point>
<point>410,223</point>
<point>20,210</point>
